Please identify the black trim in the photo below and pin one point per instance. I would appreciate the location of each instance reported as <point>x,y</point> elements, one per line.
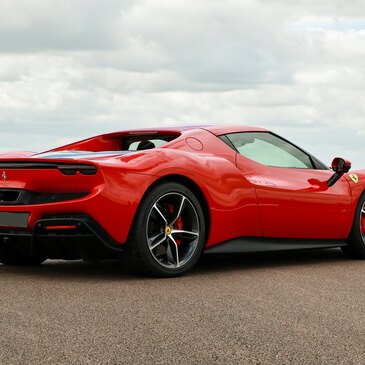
<point>88,240</point>
<point>28,165</point>
<point>9,196</point>
<point>86,227</point>
<point>27,197</point>
<point>260,244</point>
<point>46,165</point>
<point>228,142</point>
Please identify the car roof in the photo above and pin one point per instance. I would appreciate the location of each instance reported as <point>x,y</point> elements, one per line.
<point>225,129</point>
<point>215,129</point>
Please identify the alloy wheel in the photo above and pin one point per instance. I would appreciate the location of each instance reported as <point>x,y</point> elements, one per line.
<point>172,230</point>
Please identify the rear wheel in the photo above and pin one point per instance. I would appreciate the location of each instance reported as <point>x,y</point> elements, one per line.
<point>168,234</point>
<point>356,240</point>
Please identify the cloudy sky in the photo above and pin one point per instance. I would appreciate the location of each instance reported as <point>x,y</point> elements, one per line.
<point>71,69</point>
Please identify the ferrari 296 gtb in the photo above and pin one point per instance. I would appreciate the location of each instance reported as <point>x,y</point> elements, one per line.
<point>158,198</point>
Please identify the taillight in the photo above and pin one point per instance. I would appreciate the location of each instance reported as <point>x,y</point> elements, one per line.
<point>73,169</point>
<point>53,228</point>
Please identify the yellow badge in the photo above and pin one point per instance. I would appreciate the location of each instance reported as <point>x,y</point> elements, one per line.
<point>354,178</point>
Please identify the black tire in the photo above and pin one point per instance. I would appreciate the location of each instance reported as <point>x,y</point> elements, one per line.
<point>356,240</point>
<point>168,232</point>
<point>10,257</point>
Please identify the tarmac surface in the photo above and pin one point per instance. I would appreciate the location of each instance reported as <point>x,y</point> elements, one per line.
<point>287,308</point>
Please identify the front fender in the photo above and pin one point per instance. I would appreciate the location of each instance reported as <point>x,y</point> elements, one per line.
<point>357,186</point>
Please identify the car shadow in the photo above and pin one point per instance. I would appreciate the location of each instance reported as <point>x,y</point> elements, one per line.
<point>74,270</point>
<point>264,260</point>
<point>208,264</point>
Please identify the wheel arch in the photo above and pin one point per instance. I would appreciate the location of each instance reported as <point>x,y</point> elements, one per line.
<point>357,196</point>
<point>190,184</point>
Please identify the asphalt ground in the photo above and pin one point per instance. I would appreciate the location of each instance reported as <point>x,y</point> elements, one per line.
<point>287,308</point>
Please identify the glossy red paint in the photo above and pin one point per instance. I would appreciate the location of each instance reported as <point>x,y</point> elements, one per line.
<point>243,198</point>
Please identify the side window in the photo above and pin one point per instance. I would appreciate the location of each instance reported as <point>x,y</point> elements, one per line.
<point>269,150</point>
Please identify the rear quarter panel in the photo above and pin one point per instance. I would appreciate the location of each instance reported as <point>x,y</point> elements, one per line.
<point>230,197</point>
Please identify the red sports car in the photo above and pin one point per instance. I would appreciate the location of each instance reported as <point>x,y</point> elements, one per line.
<point>160,197</point>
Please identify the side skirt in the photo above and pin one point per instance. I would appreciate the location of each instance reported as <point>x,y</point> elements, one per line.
<point>259,244</point>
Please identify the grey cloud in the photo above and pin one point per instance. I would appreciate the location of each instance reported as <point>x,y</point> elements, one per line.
<point>73,69</point>
<point>353,8</point>
<point>43,25</point>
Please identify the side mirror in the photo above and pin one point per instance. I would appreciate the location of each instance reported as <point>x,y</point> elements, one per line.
<point>340,167</point>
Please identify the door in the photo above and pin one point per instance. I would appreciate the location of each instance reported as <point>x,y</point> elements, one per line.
<point>293,196</point>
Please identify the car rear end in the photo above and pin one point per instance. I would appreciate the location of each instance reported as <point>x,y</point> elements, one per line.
<point>66,209</point>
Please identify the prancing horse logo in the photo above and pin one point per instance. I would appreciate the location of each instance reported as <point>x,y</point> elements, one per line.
<point>354,178</point>
<point>3,175</point>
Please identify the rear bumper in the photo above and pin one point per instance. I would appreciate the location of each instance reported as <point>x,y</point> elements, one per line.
<point>112,203</point>
<point>63,237</point>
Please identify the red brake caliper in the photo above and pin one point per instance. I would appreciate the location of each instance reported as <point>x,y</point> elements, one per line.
<point>178,223</point>
<point>362,224</point>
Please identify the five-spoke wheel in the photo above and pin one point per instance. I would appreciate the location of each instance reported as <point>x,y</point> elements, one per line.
<point>172,230</point>
<point>168,233</point>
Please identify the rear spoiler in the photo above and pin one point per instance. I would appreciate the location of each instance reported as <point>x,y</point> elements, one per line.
<point>64,167</point>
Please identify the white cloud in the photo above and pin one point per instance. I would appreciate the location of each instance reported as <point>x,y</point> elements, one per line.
<point>73,69</point>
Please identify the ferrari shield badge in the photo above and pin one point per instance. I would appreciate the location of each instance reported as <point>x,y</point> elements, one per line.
<point>354,178</point>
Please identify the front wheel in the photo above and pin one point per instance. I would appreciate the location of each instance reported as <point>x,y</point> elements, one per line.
<point>168,233</point>
<point>356,240</point>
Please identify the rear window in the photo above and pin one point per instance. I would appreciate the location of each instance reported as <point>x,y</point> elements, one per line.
<point>145,142</point>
